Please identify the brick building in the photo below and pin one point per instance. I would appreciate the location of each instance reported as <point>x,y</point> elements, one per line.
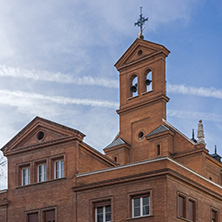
<point>150,172</point>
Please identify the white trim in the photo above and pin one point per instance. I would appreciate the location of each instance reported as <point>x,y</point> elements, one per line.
<point>183,135</point>
<point>120,167</point>
<point>145,162</point>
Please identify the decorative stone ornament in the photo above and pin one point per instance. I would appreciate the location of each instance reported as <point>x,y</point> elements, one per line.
<point>200,133</point>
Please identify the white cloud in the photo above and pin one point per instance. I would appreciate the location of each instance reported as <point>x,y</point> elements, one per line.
<point>18,98</point>
<point>189,90</point>
<point>195,115</point>
<point>41,75</point>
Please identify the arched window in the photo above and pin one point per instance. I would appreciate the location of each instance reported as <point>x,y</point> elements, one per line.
<point>134,86</point>
<point>148,81</point>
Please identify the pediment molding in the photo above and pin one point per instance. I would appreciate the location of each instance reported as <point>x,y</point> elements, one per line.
<point>138,51</point>
<point>39,133</point>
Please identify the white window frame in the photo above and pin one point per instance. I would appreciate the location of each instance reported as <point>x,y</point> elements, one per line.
<point>141,206</point>
<point>43,176</point>
<point>60,169</point>
<point>104,213</point>
<point>26,176</point>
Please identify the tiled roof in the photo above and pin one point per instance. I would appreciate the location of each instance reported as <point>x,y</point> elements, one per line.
<point>158,130</point>
<point>116,142</point>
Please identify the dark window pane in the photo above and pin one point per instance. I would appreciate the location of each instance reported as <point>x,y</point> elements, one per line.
<point>146,210</point>
<point>136,202</point>
<point>146,201</point>
<point>108,216</point>
<point>99,217</point>
<point>136,211</point>
<point>99,210</point>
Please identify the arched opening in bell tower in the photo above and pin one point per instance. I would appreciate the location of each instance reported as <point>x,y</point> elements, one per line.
<point>134,86</point>
<point>148,80</point>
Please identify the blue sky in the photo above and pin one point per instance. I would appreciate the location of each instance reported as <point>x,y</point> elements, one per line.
<point>57,57</point>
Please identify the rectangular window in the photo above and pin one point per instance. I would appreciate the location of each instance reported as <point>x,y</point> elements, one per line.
<point>191,210</point>
<point>58,169</point>
<point>181,206</point>
<point>25,176</point>
<point>158,149</point>
<point>42,176</point>
<point>33,217</point>
<point>49,216</point>
<point>141,206</point>
<point>214,216</point>
<point>103,213</point>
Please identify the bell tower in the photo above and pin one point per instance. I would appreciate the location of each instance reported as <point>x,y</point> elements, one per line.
<point>142,97</point>
<point>142,89</point>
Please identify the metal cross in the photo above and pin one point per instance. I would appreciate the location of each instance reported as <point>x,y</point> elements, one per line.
<point>141,21</point>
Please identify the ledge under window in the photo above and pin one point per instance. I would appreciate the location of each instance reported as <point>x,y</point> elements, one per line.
<point>138,218</point>
<point>40,183</point>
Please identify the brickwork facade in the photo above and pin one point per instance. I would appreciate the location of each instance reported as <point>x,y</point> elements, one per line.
<point>150,172</point>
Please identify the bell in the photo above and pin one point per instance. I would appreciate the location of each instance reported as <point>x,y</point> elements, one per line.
<point>147,82</point>
<point>133,88</point>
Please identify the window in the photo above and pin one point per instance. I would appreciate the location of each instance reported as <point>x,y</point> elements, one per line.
<point>181,206</point>
<point>214,216</point>
<point>158,149</point>
<point>42,176</point>
<point>59,169</point>
<point>192,209</point>
<point>32,217</point>
<point>141,206</point>
<point>148,81</point>
<point>134,87</point>
<point>25,176</point>
<point>49,216</point>
<point>103,211</point>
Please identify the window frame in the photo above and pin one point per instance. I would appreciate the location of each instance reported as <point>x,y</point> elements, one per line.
<point>43,174</point>
<point>190,200</point>
<point>44,210</point>
<point>27,213</point>
<point>60,170</point>
<point>27,175</point>
<point>216,211</point>
<point>104,205</point>
<point>141,205</point>
<point>183,207</point>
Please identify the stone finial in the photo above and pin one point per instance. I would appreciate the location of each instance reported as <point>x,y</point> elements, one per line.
<point>200,133</point>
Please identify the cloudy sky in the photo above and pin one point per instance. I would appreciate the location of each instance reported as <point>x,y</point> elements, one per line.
<point>57,57</point>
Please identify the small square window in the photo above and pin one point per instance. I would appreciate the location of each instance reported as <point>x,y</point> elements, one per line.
<point>141,206</point>
<point>25,173</point>
<point>59,169</point>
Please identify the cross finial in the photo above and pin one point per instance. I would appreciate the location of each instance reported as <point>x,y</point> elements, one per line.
<point>140,23</point>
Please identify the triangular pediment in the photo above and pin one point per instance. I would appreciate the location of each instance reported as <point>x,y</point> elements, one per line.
<point>39,133</point>
<point>139,50</point>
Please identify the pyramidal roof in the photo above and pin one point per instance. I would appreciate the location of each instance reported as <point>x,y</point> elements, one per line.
<point>116,142</point>
<point>158,130</point>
